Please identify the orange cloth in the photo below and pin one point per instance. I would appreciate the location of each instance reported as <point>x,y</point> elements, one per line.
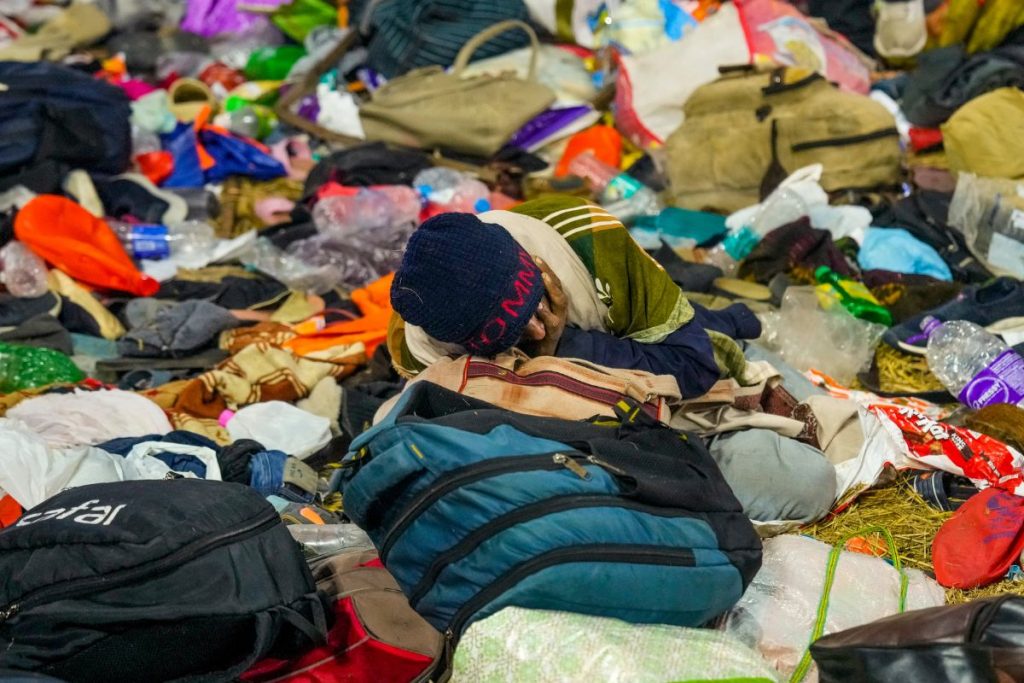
<point>374,301</point>
<point>604,142</point>
<point>83,246</point>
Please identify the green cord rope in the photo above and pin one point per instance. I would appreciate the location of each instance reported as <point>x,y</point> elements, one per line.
<point>830,577</point>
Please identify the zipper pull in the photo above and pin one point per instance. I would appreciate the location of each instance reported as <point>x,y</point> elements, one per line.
<point>571,465</point>
<point>601,463</point>
<point>9,612</point>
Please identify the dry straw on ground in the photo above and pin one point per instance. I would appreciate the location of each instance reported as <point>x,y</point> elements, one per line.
<point>913,524</point>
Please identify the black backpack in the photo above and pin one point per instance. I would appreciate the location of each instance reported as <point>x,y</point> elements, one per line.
<point>153,581</point>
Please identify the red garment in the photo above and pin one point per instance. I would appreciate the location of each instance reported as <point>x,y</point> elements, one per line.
<point>10,511</point>
<point>925,138</point>
<point>979,544</point>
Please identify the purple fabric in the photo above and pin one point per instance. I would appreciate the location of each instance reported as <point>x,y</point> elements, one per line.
<point>209,18</point>
<point>545,124</point>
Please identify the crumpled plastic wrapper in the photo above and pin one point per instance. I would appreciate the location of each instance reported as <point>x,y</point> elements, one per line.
<point>808,337</point>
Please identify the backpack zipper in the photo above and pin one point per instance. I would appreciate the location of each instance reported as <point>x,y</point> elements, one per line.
<point>849,140</point>
<point>589,553</point>
<point>518,516</point>
<point>91,584</point>
<point>476,472</point>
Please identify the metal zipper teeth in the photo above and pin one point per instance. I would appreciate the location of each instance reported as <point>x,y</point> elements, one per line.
<point>610,553</point>
<point>525,514</point>
<point>468,475</point>
<point>74,587</point>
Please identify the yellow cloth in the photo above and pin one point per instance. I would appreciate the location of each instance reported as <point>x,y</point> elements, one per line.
<point>61,283</point>
<point>986,136</point>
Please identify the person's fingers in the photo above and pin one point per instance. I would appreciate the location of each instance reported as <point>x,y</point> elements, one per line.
<point>550,319</point>
<point>559,300</point>
<point>555,292</point>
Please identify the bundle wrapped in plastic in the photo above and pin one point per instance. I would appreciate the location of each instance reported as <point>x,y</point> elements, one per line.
<point>538,645</point>
<point>778,613</point>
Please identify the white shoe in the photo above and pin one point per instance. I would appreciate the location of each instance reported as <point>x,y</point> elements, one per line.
<point>900,28</point>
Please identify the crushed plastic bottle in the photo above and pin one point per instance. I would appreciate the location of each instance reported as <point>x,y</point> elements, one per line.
<point>290,269</point>
<point>793,199</point>
<point>448,190</point>
<point>22,271</point>
<point>975,365</point>
<point>834,289</point>
<point>841,345</point>
<point>620,193</point>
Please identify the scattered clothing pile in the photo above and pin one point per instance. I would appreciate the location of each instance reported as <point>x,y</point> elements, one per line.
<point>446,339</point>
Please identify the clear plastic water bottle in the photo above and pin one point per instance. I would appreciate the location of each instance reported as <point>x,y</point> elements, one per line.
<point>793,199</point>
<point>449,190</point>
<point>22,271</point>
<point>187,243</point>
<point>975,365</point>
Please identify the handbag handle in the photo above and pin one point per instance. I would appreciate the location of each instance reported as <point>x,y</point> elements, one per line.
<point>467,51</point>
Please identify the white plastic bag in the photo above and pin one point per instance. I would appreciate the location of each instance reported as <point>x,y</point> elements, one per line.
<point>280,426</point>
<point>90,417</point>
<point>652,88</point>
<point>777,613</point>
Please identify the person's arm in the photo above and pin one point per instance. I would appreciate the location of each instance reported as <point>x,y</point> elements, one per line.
<point>686,354</point>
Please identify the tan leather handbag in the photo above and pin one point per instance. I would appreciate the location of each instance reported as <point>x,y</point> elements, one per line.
<point>428,108</point>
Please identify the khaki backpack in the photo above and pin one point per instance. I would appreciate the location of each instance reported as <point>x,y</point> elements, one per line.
<point>746,131</point>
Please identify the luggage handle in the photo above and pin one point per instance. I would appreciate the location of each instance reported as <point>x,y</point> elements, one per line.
<point>467,51</point>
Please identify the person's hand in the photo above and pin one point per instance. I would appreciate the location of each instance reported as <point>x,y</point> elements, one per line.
<point>545,328</point>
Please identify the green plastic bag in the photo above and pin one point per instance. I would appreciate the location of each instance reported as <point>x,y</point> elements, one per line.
<point>300,17</point>
<point>25,367</point>
<point>273,63</point>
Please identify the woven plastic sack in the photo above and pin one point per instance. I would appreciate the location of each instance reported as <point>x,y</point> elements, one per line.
<point>777,614</point>
<point>538,645</point>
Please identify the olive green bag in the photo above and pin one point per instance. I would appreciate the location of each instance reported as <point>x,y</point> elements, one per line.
<point>748,130</point>
<point>428,108</point>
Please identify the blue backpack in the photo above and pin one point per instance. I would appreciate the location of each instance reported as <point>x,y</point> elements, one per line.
<point>474,508</point>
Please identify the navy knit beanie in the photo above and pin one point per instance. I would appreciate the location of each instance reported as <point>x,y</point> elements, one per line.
<point>467,282</point>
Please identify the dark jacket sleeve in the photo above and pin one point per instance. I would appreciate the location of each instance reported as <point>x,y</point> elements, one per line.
<point>685,354</point>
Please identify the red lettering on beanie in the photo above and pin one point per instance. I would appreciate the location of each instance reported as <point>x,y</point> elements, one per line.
<point>493,332</point>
